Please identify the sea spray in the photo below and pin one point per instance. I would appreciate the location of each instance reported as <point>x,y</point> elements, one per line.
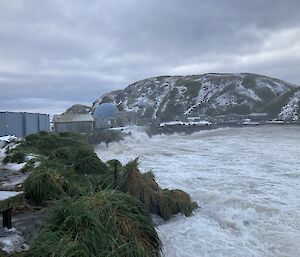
<point>246,181</point>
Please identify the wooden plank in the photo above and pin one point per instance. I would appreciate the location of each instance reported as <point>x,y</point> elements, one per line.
<point>9,200</point>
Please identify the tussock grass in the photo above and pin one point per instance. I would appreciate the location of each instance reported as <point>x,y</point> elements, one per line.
<point>4,254</point>
<point>64,154</point>
<point>44,143</point>
<point>87,162</point>
<point>109,223</point>
<point>43,186</point>
<point>68,167</point>
<point>164,203</point>
<point>171,202</point>
<point>14,157</point>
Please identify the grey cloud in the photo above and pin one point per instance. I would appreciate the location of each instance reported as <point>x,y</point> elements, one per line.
<point>66,51</point>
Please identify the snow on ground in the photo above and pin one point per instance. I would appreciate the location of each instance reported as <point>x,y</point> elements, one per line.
<point>13,181</point>
<point>290,110</point>
<point>276,87</point>
<point>9,138</point>
<point>2,154</point>
<point>249,93</point>
<point>199,123</point>
<point>224,100</point>
<point>11,241</point>
<point>4,195</point>
<point>14,166</point>
<point>5,140</point>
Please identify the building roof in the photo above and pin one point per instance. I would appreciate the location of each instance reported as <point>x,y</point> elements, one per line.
<point>258,114</point>
<point>73,118</point>
<point>107,110</point>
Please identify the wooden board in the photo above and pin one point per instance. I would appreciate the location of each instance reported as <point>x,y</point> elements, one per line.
<point>9,199</point>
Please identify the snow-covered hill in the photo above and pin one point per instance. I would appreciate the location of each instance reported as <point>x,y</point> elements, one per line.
<point>174,97</point>
<point>78,109</point>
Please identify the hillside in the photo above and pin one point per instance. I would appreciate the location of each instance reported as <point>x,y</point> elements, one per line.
<point>78,109</point>
<point>174,97</point>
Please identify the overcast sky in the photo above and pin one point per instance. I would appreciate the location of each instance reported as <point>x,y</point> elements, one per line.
<point>55,53</point>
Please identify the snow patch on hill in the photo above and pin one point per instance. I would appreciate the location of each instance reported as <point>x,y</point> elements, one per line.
<point>290,110</point>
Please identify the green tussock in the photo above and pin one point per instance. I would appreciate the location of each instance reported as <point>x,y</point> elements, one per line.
<point>164,203</point>
<point>275,106</point>
<point>68,166</point>
<point>43,186</point>
<point>44,143</point>
<point>87,162</point>
<point>14,157</point>
<point>106,224</point>
<point>64,154</point>
<point>171,202</point>
<point>4,254</point>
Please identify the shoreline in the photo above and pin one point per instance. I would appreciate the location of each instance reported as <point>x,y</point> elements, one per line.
<point>177,128</point>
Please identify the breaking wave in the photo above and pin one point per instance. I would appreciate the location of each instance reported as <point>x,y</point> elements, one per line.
<point>246,181</point>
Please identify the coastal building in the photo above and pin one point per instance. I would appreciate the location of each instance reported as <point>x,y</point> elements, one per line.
<point>261,116</point>
<point>21,124</point>
<point>197,118</point>
<point>150,122</point>
<point>81,123</point>
<point>105,116</point>
<point>126,118</point>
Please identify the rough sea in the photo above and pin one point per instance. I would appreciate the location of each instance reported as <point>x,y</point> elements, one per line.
<point>245,180</point>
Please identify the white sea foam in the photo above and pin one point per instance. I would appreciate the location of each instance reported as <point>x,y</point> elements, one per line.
<point>246,181</point>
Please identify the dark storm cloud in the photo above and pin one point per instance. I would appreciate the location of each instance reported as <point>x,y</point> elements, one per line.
<point>55,53</point>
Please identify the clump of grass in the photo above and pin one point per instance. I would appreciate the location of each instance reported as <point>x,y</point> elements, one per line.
<point>171,202</point>
<point>30,165</point>
<point>114,165</point>
<point>106,224</point>
<point>87,162</point>
<point>44,185</point>
<point>69,150</point>
<point>14,157</point>
<point>44,143</point>
<point>4,254</point>
<point>164,203</point>
<point>64,154</point>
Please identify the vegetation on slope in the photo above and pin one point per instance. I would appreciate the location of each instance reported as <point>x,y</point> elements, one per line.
<point>105,224</point>
<point>164,203</point>
<point>275,106</point>
<point>79,109</point>
<point>171,98</point>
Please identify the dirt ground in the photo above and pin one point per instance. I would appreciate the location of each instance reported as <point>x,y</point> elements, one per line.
<point>25,220</point>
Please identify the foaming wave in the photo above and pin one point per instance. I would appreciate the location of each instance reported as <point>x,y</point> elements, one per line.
<point>245,180</point>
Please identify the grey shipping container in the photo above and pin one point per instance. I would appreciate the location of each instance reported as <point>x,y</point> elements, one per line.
<point>21,124</point>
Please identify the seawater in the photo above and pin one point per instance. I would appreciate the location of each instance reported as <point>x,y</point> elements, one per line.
<point>246,180</point>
